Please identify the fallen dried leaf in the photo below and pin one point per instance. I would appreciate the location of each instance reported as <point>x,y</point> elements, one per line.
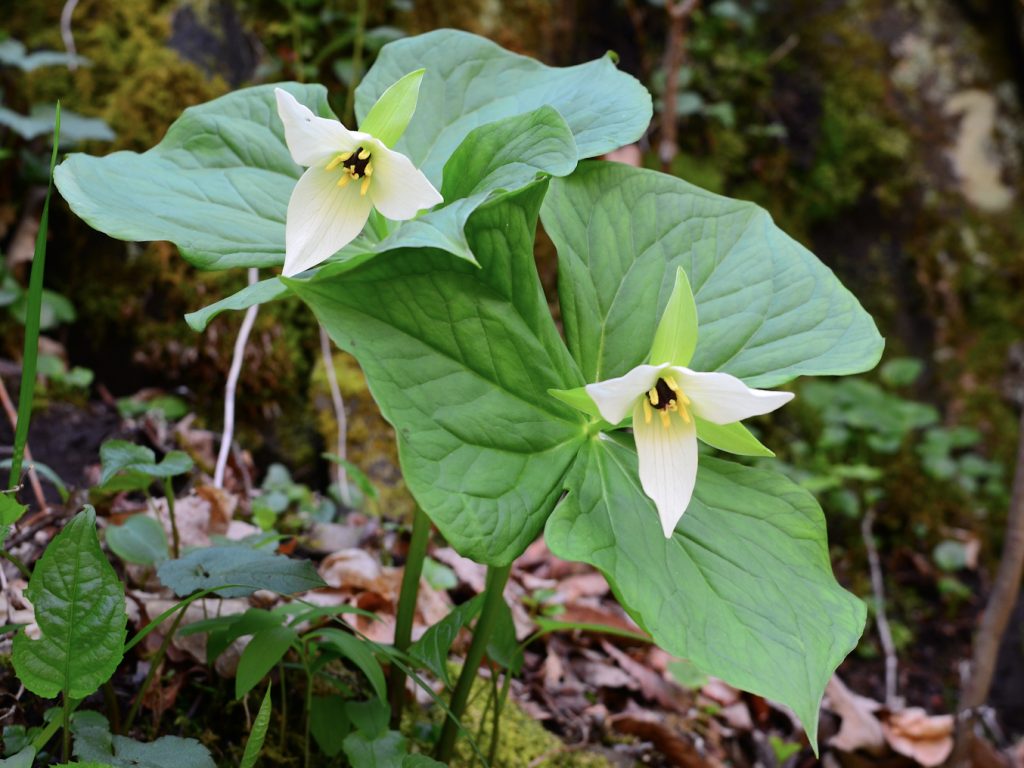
<point>928,739</point>
<point>651,727</point>
<point>859,728</point>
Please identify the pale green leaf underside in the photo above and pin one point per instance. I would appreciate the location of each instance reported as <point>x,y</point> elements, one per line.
<point>768,309</point>
<point>460,360</point>
<point>471,81</point>
<point>240,570</point>
<point>217,186</point>
<point>744,589</point>
<point>79,607</point>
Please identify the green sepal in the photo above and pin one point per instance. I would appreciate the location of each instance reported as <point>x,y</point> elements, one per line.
<point>731,438</point>
<point>390,116</point>
<point>578,399</point>
<point>676,337</point>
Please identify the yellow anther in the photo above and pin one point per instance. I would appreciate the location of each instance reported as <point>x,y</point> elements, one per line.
<point>345,179</point>
<point>682,398</point>
<point>365,186</point>
<point>664,419</point>
<point>338,160</point>
<point>653,396</point>
<point>672,406</point>
<point>364,155</point>
<point>647,412</point>
<point>344,156</point>
<point>685,414</point>
<point>369,170</point>
<point>671,383</point>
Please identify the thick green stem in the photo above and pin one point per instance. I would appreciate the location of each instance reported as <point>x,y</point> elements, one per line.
<point>493,601</point>
<point>407,610</point>
<point>169,495</point>
<point>309,708</point>
<point>66,725</point>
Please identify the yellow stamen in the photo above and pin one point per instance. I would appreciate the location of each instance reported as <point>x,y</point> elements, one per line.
<point>338,160</point>
<point>345,156</point>
<point>664,419</point>
<point>685,414</point>
<point>682,398</point>
<point>653,396</point>
<point>364,155</point>
<point>345,179</point>
<point>671,383</point>
<point>369,170</point>
<point>365,186</point>
<point>647,412</point>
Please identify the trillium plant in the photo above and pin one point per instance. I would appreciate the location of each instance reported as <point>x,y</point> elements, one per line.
<point>412,242</point>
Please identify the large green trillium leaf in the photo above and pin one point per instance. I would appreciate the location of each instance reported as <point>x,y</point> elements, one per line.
<point>217,185</point>
<point>768,309</point>
<point>471,81</point>
<point>744,588</point>
<point>460,359</point>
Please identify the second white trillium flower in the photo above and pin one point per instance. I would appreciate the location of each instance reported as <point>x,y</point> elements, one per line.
<point>348,173</point>
<point>672,406</point>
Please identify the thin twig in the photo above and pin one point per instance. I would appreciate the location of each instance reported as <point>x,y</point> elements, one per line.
<point>232,384</point>
<point>66,35</point>
<point>881,620</point>
<point>998,609</point>
<point>33,478</point>
<point>675,48</point>
<point>340,447</point>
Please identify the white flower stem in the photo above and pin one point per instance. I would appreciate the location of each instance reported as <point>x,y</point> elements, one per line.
<point>340,448</point>
<point>232,384</point>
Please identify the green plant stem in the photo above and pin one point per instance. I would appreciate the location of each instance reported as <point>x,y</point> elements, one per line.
<point>154,666</point>
<point>499,705</point>
<point>407,609</point>
<point>16,562</point>
<point>357,63</point>
<point>66,725</point>
<point>493,600</point>
<point>284,708</point>
<point>169,495</point>
<point>110,699</point>
<point>309,708</point>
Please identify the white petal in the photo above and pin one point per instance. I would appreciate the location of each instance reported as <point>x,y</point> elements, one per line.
<point>723,399</point>
<point>668,463</point>
<point>322,219</point>
<point>615,398</point>
<point>312,140</point>
<point>398,189</point>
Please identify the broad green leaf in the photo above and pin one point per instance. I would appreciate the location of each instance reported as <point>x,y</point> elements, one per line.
<point>676,336</point>
<point>224,630</point>
<point>358,652</point>
<point>329,723</point>
<point>94,743</point>
<point>259,293</point>
<point>386,750</point>
<point>217,186</point>
<point>578,399</point>
<point>237,571</point>
<point>389,117</point>
<point>11,509</point>
<point>471,81</point>
<point>369,717</point>
<point>460,360</point>
<point>433,647</point>
<point>503,648</point>
<point>122,456</point>
<point>504,155</point>
<point>24,759</point>
<point>731,438</point>
<point>140,540</point>
<point>79,607</point>
<point>254,744</point>
<point>261,655</point>
<point>768,309</point>
<point>744,588</point>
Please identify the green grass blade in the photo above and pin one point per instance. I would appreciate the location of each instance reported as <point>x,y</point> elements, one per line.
<point>35,299</point>
<point>258,733</point>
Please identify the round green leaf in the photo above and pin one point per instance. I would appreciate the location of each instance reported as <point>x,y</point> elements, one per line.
<point>140,540</point>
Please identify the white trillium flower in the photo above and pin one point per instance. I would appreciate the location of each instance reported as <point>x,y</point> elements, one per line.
<point>672,406</point>
<point>348,173</point>
<point>666,402</point>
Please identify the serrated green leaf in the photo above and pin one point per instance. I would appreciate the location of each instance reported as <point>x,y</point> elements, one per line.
<point>676,337</point>
<point>10,509</point>
<point>460,360</point>
<point>264,651</point>
<point>470,81</point>
<point>433,647</point>
<point>768,309</point>
<point>224,164</point>
<point>389,117</point>
<point>744,588</point>
<point>79,607</point>
<point>384,751</point>
<point>140,540</point>
<point>254,744</point>
<point>239,570</point>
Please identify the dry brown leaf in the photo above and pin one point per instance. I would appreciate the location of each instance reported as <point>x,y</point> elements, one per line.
<point>928,739</point>
<point>720,692</point>
<point>579,585</point>
<point>354,569</point>
<point>193,645</point>
<point>473,575</point>
<point>324,538</point>
<point>605,675</point>
<point>629,154</point>
<point>859,728</point>
<point>193,516</point>
<point>652,685</point>
<point>651,727</point>
<point>737,716</point>
<point>222,507</point>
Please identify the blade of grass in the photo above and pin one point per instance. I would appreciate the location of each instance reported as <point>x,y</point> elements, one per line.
<point>34,306</point>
